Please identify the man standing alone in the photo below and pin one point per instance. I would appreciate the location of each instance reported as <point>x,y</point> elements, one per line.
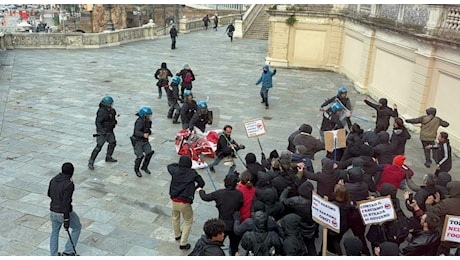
<point>60,191</point>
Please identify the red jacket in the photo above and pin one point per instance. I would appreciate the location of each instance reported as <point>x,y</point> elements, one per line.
<point>248,195</point>
<point>393,175</point>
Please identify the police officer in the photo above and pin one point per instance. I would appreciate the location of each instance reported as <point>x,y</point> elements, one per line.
<point>140,140</point>
<point>105,123</point>
<point>201,117</point>
<point>188,109</point>
<point>173,98</point>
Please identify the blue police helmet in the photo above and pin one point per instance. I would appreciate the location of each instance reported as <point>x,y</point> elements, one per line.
<point>336,107</point>
<point>202,104</point>
<point>107,101</point>
<point>187,92</point>
<point>176,79</point>
<point>342,90</point>
<point>145,111</point>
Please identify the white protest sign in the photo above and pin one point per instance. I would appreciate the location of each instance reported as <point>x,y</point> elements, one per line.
<point>325,213</point>
<point>255,128</point>
<point>451,229</point>
<point>376,210</point>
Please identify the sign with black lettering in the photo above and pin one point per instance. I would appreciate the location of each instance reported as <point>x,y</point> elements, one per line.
<point>378,210</point>
<point>325,213</point>
<point>255,128</point>
<point>451,229</point>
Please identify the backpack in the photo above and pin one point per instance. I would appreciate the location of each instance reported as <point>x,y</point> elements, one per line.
<point>163,74</point>
<point>188,77</point>
<point>199,251</point>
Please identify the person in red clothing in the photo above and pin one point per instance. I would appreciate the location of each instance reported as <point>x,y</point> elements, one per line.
<point>247,188</point>
<point>394,173</point>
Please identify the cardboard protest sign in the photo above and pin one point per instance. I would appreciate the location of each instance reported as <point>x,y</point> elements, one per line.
<point>325,213</point>
<point>338,136</point>
<point>255,128</point>
<point>451,229</point>
<point>378,210</point>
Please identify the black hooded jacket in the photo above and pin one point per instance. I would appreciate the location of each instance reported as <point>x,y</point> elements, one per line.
<point>60,191</point>
<point>227,200</point>
<point>357,188</point>
<point>384,113</point>
<point>326,179</point>
<point>183,180</point>
<point>398,139</point>
<point>384,151</point>
<point>206,247</point>
<point>293,244</point>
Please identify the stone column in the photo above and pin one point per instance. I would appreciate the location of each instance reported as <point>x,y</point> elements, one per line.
<point>183,24</point>
<point>435,18</point>
<point>366,60</point>
<point>238,33</point>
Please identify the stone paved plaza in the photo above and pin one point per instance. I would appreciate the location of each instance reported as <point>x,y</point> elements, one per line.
<point>49,103</point>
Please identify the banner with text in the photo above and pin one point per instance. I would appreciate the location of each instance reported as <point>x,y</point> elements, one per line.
<point>255,128</point>
<point>378,210</point>
<point>451,229</point>
<point>325,213</point>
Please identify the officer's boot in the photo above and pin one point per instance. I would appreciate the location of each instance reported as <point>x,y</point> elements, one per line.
<point>146,162</point>
<point>175,118</point>
<point>110,149</point>
<point>93,157</point>
<point>137,164</point>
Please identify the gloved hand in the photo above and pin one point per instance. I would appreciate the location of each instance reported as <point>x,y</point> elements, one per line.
<point>236,215</point>
<point>66,224</point>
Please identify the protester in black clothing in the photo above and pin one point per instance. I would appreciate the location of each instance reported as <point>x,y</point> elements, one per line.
<point>230,29</point>
<point>311,144</point>
<point>384,151</point>
<point>354,142</point>
<point>260,241</point>
<point>60,191</point>
<point>358,190</point>
<point>162,75</point>
<point>291,146</point>
<point>399,136</point>
<point>173,34</point>
<point>105,123</point>
<point>387,249</point>
<point>226,147</point>
<point>301,205</point>
<point>173,100</point>
<point>326,179</point>
<point>188,109</point>
<point>367,163</point>
<point>425,242</point>
<point>383,113</point>
<point>211,243</point>
<point>228,200</point>
<point>248,224</point>
<point>140,140</point>
<point>288,174</point>
<point>293,244</point>
<point>353,246</point>
<point>184,182</point>
<point>268,195</point>
<point>253,166</point>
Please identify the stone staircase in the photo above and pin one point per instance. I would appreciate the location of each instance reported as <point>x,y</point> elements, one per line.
<point>259,28</point>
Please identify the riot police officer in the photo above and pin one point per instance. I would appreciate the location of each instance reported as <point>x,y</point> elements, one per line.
<point>188,109</point>
<point>105,123</point>
<point>140,140</point>
<point>201,117</point>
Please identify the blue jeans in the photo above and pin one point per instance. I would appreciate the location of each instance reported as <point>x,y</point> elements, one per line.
<point>57,219</point>
<point>217,160</point>
<point>264,95</point>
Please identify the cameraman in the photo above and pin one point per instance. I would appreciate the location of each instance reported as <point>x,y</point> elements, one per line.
<point>226,147</point>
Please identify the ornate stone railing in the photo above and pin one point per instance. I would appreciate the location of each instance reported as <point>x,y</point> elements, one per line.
<point>197,24</point>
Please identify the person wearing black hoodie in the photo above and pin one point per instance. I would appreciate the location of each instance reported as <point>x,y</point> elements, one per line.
<point>383,113</point>
<point>358,190</point>
<point>211,243</point>
<point>60,190</point>
<point>185,181</point>
<point>326,179</point>
<point>399,136</point>
<point>384,151</point>
<point>293,244</point>
<point>253,166</point>
<point>301,205</point>
<point>291,146</point>
<point>228,200</point>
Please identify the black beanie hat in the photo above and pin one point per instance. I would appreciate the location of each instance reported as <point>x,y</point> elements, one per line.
<point>67,168</point>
